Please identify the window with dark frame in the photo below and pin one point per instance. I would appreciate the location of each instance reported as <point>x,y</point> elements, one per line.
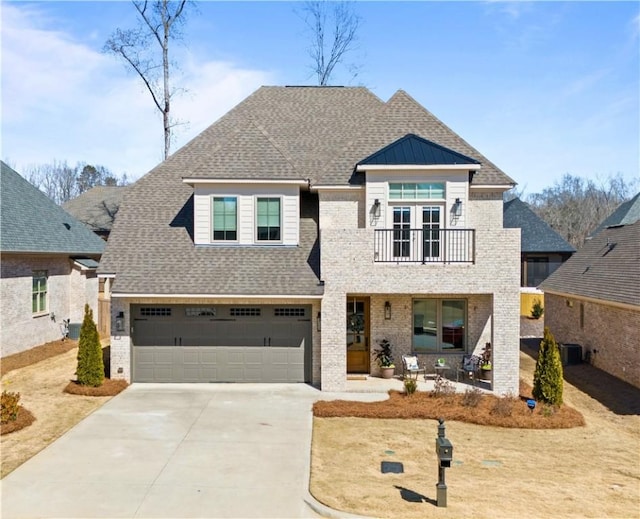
<point>268,219</point>
<point>439,325</point>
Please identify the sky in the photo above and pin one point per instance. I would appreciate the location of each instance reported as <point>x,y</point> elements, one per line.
<point>542,89</point>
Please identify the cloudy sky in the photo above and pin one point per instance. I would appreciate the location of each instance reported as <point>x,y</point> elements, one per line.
<point>541,88</point>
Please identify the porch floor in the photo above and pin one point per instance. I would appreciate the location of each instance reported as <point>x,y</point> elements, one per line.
<point>373,384</point>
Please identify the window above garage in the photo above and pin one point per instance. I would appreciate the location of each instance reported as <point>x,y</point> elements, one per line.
<point>251,212</point>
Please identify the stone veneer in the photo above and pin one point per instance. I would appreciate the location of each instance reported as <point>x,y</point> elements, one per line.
<point>610,334</point>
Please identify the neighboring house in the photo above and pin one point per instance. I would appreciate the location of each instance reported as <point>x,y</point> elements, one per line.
<point>289,238</point>
<point>97,208</point>
<point>542,251</point>
<point>594,298</point>
<point>48,267</point>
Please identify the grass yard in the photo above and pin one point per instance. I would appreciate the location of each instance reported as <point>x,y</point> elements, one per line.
<point>585,471</point>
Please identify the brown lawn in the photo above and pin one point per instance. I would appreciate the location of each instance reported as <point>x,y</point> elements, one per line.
<point>585,471</point>
<point>40,376</point>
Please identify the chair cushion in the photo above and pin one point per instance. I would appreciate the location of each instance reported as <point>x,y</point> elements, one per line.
<point>411,362</point>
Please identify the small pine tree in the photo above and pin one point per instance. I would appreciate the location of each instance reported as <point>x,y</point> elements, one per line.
<point>548,376</point>
<point>90,370</point>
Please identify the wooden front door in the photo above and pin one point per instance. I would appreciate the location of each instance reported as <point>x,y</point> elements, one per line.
<point>358,354</point>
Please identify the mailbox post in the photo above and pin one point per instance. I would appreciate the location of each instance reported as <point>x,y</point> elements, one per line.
<point>444,450</point>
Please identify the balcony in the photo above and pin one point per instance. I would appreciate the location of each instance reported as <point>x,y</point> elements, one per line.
<point>424,245</point>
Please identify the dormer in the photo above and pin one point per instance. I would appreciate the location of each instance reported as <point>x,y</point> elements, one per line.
<point>253,212</point>
<point>415,182</point>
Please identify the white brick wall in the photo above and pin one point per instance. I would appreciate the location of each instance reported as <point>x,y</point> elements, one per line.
<point>68,291</point>
<point>491,287</point>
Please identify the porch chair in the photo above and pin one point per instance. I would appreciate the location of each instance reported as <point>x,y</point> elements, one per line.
<point>469,368</point>
<point>410,366</point>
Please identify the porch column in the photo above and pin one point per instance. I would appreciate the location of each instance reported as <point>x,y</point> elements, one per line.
<point>333,358</point>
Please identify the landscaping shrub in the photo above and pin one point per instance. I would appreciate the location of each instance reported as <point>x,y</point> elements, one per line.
<point>410,386</point>
<point>504,406</point>
<point>548,376</point>
<point>90,370</point>
<point>471,397</point>
<point>537,309</point>
<point>10,406</point>
<point>442,388</point>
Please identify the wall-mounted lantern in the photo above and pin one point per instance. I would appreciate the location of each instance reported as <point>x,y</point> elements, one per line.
<point>120,322</point>
<point>387,310</point>
<point>318,322</point>
<point>375,209</point>
<point>457,207</point>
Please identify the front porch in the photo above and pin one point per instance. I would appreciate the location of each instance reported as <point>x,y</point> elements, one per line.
<point>373,384</point>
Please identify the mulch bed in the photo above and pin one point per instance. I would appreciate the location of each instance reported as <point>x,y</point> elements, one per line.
<point>511,412</point>
<point>110,387</point>
<point>24,419</point>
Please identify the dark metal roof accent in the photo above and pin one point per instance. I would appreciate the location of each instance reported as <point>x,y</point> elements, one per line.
<point>414,150</point>
<point>536,234</point>
<point>31,222</point>
<point>87,263</point>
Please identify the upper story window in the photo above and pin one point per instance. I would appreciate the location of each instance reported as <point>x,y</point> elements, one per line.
<point>225,218</point>
<point>416,191</point>
<point>268,219</point>
<point>39,291</point>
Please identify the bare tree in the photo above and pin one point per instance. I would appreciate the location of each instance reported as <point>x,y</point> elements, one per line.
<point>334,27</point>
<point>575,207</point>
<point>146,50</point>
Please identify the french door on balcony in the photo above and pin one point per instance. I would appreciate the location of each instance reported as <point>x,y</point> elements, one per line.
<point>416,232</point>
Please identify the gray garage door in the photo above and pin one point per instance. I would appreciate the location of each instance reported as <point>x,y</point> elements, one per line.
<point>221,343</point>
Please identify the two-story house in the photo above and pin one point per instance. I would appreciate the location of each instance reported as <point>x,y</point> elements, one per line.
<point>299,230</point>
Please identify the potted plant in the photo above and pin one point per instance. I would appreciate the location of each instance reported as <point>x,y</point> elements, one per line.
<point>485,362</point>
<point>384,358</point>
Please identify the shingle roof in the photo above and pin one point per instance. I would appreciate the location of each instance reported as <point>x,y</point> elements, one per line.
<point>607,267</point>
<point>97,207</point>
<point>415,150</point>
<point>31,222</point>
<point>536,234</point>
<point>303,133</point>
<point>626,213</point>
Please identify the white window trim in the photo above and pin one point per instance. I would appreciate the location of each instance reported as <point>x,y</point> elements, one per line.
<point>255,220</point>
<point>222,242</point>
<point>45,274</point>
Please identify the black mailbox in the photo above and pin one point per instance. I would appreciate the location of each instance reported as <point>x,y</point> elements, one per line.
<point>444,450</point>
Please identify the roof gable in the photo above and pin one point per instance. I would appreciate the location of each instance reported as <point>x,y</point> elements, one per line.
<point>414,150</point>
<point>626,213</point>
<point>31,222</point>
<point>536,234</point>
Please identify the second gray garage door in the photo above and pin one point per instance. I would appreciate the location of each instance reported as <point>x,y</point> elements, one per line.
<point>221,343</point>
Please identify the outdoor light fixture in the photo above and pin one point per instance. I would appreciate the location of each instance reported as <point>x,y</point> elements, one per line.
<point>457,207</point>
<point>375,210</point>
<point>319,328</point>
<point>120,322</point>
<point>387,310</point>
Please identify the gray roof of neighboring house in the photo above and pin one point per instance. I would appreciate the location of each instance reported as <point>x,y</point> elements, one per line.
<point>286,133</point>
<point>412,149</point>
<point>536,234</point>
<point>97,207</point>
<point>31,222</point>
<point>626,213</point>
<point>607,268</point>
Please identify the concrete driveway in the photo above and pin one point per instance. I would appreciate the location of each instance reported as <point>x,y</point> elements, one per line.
<point>187,450</point>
